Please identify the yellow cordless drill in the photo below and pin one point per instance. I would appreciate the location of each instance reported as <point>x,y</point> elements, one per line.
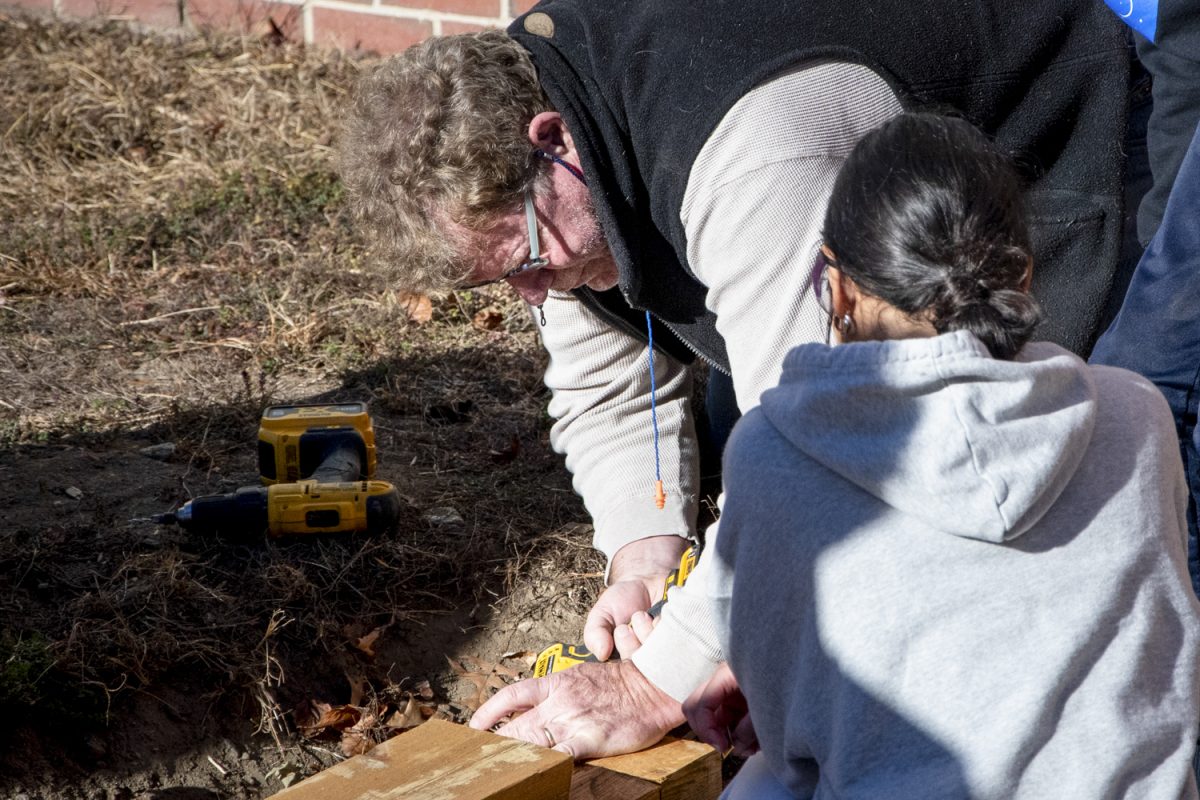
<point>560,656</point>
<point>316,463</point>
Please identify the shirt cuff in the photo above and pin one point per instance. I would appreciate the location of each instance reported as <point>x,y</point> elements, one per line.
<point>670,660</point>
<point>639,518</point>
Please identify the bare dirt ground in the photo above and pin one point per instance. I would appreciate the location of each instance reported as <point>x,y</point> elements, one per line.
<point>174,256</point>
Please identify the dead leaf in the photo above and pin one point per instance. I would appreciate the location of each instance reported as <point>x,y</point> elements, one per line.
<point>477,679</point>
<point>418,307</point>
<point>412,715</point>
<point>357,740</point>
<point>367,643</point>
<point>319,716</point>
<point>509,453</point>
<point>507,672</point>
<point>306,714</point>
<point>358,687</point>
<point>489,319</point>
<point>466,664</point>
<point>355,744</point>
<point>485,677</point>
<point>473,702</point>
<point>339,717</point>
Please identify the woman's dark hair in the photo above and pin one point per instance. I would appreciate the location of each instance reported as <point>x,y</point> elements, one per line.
<point>927,214</point>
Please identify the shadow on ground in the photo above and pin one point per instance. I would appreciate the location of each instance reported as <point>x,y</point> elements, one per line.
<point>153,646</point>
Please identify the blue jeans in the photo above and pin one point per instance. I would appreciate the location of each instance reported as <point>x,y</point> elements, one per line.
<point>1157,332</point>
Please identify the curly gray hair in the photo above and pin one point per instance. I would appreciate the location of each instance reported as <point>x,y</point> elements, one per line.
<point>439,133</point>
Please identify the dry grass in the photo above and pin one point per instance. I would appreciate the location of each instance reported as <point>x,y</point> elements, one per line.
<point>174,256</point>
<point>179,195</point>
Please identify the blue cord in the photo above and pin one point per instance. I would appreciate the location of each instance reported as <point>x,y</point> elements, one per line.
<point>659,496</point>
<point>568,167</point>
<point>653,397</point>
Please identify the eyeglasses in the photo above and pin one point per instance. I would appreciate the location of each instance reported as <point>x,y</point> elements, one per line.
<point>535,260</point>
<point>820,278</point>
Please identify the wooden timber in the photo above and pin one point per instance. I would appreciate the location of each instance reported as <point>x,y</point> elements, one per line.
<point>443,761</point>
<point>682,769</point>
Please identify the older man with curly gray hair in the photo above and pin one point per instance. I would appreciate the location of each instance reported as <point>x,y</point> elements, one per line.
<point>660,170</point>
<point>437,148</point>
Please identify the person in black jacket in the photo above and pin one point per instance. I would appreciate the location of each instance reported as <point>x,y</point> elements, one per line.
<point>660,169</point>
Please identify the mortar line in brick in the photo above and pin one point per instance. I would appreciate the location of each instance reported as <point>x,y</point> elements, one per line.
<point>399,12</point>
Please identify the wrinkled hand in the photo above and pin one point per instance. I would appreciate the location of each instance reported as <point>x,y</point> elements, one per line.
<point>609,623</point>
<point>588,711</point>
<point>633,635</point>
<point>636,578</point>
<point>718,713</point>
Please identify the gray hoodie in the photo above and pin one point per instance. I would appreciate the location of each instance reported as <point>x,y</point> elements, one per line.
<point>961,577</point>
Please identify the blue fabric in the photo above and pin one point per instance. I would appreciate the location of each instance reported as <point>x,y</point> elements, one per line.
<point>1173,58</point>
<point>1141,15</point>
<point>1157,332</point>
<point>754,781</point>
<point>721,412</point>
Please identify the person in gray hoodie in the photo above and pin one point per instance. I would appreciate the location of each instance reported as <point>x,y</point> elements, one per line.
<point>956,558</point>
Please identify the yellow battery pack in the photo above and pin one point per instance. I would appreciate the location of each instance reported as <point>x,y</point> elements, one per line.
<point>294,439</point>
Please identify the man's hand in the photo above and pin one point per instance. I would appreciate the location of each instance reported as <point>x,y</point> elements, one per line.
<point>588,711</point>
<point>635,582</point>
<point>607,624</point>
<point>719,715</point>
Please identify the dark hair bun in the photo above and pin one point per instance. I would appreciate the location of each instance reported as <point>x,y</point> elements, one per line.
<point>927,214</point>
<point>1003,320</point>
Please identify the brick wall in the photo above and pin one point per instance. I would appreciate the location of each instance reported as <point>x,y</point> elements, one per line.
<point>385,26</point>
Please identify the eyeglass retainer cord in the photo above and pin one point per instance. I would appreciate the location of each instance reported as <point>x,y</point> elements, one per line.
<point>660,496</point>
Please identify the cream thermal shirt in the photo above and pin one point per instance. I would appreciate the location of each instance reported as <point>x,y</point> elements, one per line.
<point>752,213</point>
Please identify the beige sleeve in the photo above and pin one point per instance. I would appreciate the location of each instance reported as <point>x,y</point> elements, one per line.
<point>755,204</point>
<point>753,211</point>
<point>600,380</point>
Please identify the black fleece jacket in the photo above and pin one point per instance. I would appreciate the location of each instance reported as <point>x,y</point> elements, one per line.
<point>643,84</point>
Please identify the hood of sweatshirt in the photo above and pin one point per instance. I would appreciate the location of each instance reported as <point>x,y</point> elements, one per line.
<point>940,430</point>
